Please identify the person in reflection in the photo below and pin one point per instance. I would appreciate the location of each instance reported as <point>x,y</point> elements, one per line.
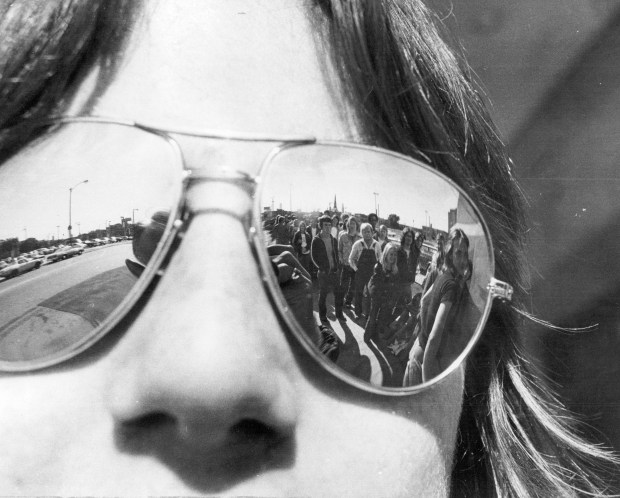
<point>407,259</point>
<point>346,240</point>
<point>281,231</point>
<point>383,291</point>
<point>365,254</point>
<point>382,237</point>
<point>438,324</point>
<point>313,228</point>
<point>324,253</point>
<point>301,244</point>
<point>373,219</point>
<point>436,264</point>
<point>407,264</point>
<point>336,227</point>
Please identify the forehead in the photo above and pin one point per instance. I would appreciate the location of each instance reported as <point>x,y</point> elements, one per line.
<point>231,65</point>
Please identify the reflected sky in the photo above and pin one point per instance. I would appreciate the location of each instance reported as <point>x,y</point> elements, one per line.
<point>129,173</point>
<point>307,179</point>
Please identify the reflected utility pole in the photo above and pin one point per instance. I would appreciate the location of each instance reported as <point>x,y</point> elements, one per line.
<point>133,221</point>
<point>70,194</point>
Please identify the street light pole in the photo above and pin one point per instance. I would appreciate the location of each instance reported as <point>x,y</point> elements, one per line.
<point>376,194</point>
<point>70,195</point>
<point>133,220</point>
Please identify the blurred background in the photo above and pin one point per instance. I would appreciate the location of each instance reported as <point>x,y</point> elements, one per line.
<point>551,71</point>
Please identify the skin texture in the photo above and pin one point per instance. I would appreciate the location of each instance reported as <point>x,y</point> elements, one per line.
<point>177,399</point>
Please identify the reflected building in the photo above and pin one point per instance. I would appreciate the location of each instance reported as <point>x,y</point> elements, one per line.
<point>451,218</point>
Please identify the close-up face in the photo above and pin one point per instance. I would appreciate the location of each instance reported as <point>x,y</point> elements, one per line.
<point>326,227</point>
<point>201,389</point>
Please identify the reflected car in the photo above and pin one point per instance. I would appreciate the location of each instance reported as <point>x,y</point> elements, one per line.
<point>65,253</point>
<point>19,266</point>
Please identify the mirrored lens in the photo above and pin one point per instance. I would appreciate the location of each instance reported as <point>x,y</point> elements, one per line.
<point>82,211</point>
<point>398,293</point>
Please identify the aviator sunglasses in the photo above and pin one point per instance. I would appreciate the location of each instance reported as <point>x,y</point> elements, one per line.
<point>94,208</point>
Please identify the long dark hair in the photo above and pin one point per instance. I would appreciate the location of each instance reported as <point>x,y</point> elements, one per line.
<point>412,96</point>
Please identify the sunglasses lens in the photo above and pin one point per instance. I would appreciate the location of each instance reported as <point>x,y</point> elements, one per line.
<point>73,240</point>
<point>388,310</point>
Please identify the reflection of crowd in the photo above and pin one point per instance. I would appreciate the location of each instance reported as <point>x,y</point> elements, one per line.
<point>373,276</point>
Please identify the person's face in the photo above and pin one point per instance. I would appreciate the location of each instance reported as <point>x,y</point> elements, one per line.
<point>408,240</point>
<point>383,232</point>
<point>373,221</point>
<point>418,242</point>
<point>367,234</point>
<point>326,228</point>
<point>352,227</point>
<point>391,256</point>
<point>460,257</point>
<point>201,390</point>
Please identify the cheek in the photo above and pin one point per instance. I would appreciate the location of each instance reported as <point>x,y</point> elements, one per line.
<point>48,425</point>
<point>402,447</point>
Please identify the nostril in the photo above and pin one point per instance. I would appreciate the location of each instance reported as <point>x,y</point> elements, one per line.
<point>150,421</point>
<point>251,429</point>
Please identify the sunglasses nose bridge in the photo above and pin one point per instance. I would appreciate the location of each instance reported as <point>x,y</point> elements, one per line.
<point>230,194</point>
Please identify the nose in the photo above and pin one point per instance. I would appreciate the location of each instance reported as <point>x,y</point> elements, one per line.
<point>205,366</point>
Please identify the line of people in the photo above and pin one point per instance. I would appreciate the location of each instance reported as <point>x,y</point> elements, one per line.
<point>374,277</point>
<point>347,265</point>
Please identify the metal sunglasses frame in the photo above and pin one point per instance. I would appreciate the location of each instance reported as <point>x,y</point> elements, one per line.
<point>180,217</point>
